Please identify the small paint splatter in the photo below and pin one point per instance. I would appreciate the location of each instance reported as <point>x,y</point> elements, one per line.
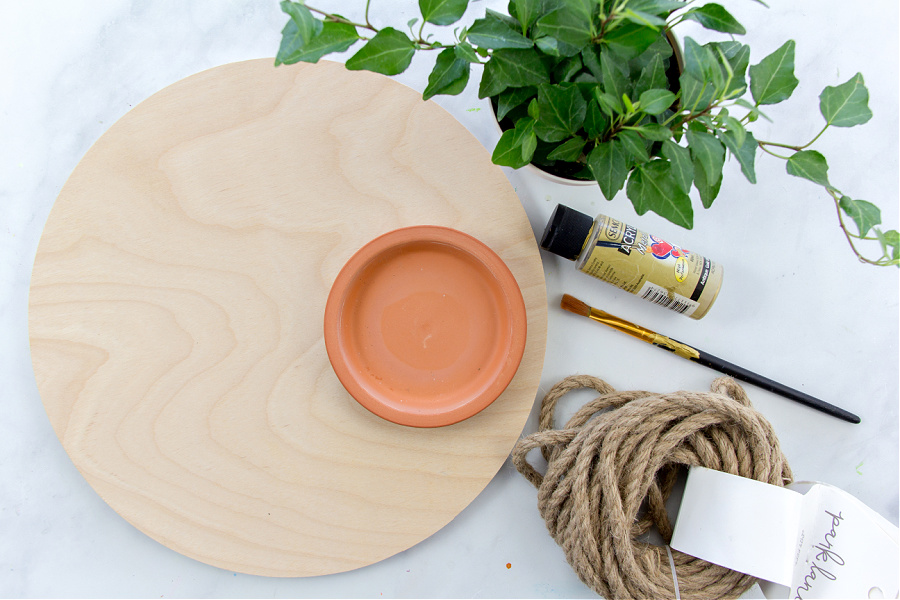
<point>509,565</point>
<point>858,472</point>
<point>472,109</point>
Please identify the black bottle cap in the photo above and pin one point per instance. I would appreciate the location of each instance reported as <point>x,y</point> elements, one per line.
<point>566,232</point>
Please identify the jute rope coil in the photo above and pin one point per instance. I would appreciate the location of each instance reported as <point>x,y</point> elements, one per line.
<point>611,469</point>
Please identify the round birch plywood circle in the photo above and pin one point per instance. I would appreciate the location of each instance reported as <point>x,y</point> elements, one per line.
<point>176,316</point>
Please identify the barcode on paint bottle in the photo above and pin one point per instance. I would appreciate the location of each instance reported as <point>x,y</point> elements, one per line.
<point>658,295</point>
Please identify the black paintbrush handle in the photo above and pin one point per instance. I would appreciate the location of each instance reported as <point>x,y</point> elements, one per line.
<point>723,366</point>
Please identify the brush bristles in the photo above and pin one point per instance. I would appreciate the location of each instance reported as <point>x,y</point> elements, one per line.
<point>574,305</point>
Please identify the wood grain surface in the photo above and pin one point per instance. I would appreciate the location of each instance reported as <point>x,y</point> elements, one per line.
<point>176,309</point>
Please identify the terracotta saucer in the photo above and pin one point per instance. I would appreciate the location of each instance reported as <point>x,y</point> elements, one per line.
<point>425,326</point>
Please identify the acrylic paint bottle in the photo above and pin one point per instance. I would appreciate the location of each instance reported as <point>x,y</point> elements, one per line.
<point>635,261</point>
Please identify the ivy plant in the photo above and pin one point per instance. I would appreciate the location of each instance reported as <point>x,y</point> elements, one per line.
<point>597,89</point>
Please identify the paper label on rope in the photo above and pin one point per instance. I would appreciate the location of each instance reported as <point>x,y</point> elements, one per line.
<point>810,540</point>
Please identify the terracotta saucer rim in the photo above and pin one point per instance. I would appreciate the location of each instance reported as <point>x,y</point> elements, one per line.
<point>516,339</point>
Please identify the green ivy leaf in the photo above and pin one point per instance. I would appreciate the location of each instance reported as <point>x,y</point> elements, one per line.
<point>708,157</point>
<point>847,104</point>
<point>865,214</point>
<point>744,151</point>
<point>562,110</point>
<point>512,98</point>
<point>696,95</point>
<point>809,164</point>
<point>738,57</point>
<point>553,47</point>
<point>512,22</point>
<point>334,37</point>
<point>630,39</point>
<point>526,11</point>
<point>640,17</point>
<point>529,145</point>
<point>653,187</point>
<point>772,80</point>
<point>656,101</point>
<point>634,146</point>
<point>656,7</point>
<point>569,150</point>
<point>442,12</point>
<point>700,63</point>
<point>889,239</point>
<point>567,69</point>
<point>610,105</point>
<point>653,76</point>
<point>566,26</point>
<point>715,17</point>
<point>583,8</point>
<point>466,52</point>
<point>653,132</point>
<point>585,77</point>
<point>512,68</point>
<point>591,61</point>
<point>609,167</point>
<point>516,146</point>
<point>449,76</point>
<point>595,123</point>
<point>388,53</point>
<point>292,42</point>
<point>297,33</point>
<point>660,47</point>
<point>708,191</point>
<point>681,165</point>
<point>736,128</point>
<point>614,81</point>
<point>491,32</point>
<point>307,24</point>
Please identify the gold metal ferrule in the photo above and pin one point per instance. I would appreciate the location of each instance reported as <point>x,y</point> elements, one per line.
<point>642,333</point>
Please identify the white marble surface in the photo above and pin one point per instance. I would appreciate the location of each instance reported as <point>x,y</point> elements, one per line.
<point>795,305</point>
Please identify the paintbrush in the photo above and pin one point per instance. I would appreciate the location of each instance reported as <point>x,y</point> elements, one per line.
<point>574,305</point>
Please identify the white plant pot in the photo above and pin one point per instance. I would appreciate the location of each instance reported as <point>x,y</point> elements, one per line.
<point>556,178</point>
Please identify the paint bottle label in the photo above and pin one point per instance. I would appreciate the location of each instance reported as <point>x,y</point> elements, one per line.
<point>637,262</point>
<point>650,267</point>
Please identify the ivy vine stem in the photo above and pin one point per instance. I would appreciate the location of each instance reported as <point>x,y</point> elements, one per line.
<point>795,147</point>
<point>602,50</point>
<point>680,17</point>
<point>420,43</point>
<point>338,19</point>
<point>366,16</point>
<point>848,235</point>
<point>762,145</point>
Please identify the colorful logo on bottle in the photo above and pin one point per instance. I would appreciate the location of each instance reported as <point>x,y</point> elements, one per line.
<point>662,249</point>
